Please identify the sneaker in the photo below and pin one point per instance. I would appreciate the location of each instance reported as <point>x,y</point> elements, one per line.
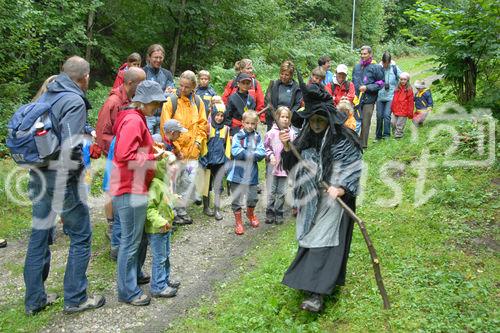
<point>269,219</point>
<point>181,220</point>
<point>143,279</point>
<point>279,220</point>
<point>51,298</point>
<point>3,242</point>
<point>174,283</point>
<point>313,304</point>
<point>167,292</point>
<point>141,300</point>
<point>93,302</point>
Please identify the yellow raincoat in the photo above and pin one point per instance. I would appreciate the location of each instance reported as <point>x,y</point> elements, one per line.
<point>194,120</point>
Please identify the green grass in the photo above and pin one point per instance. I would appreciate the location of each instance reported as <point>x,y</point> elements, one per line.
<point>418,66</point>
<point>439,275</point>
<point>100,272</point>
<point>15,219</point>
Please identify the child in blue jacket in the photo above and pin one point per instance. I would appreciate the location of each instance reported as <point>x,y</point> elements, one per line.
<point>247,149</point>
<point>218,153</point>
<point>205,89</point>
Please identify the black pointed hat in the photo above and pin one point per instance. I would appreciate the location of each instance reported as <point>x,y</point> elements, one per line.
<point>318,101</point>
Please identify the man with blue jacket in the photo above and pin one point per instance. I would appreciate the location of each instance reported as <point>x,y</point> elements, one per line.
<point>368,79</point>
<point>59,188</point>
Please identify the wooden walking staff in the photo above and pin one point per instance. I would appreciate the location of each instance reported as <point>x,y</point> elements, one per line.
<point>361,224</point>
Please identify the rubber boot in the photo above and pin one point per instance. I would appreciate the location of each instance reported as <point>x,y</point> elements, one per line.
<point>254,222</point>
<point>238,223</point>
<point>206,207</point>
<point>218,214</point>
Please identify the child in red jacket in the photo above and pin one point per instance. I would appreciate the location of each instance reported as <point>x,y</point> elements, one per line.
<point>133,60</point>
<point>402,105</point>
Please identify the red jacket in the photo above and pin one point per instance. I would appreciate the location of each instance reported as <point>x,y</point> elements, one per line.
<point>107,115</point>
<point>402,103</point>
<point>120,76</point>
<point>340,90</point>
<point>133,161</point>
<point>255,91</point>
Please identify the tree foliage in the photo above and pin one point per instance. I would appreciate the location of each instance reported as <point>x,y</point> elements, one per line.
<point>465,41</point>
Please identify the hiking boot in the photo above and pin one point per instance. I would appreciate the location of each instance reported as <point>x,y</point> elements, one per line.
<point>314,303</point>
<point>218,214</point>
<point>174,283</point>
<point>254,222</point>
<point>238,223</point>
<point>141,300</point>
<point>181,217</point>
<point>93,302</point>
<point>167,292</point>
<point>206,207</point>
<point>143,279</point>
<point>51,298</point>
<point>269,218</point>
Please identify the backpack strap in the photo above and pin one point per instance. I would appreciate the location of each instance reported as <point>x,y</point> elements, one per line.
<point>346,85</point>
<point>174,98</point>
<point>395,71</point>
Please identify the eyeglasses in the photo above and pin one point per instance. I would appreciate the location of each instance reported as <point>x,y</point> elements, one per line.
<point>157,58</point>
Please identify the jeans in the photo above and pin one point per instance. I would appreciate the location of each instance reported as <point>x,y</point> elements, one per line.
<point>51,193</point>
<point>116,235</point>
<point>160,265</point>
<point>276,196</point>
<point>383,120</point>
<point>238,191</point>
<point>116,231</point>
<point>131,209</point>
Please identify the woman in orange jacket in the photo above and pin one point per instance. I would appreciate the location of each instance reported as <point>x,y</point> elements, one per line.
<point>187,108</point>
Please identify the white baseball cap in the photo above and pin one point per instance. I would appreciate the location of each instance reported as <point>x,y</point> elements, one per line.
<point>341,69</point>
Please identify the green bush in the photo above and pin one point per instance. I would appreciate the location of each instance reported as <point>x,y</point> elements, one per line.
<point>400,48</point>
<point>96,97</point>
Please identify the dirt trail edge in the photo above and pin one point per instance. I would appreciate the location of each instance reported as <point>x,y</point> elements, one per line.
<point>201,255</point>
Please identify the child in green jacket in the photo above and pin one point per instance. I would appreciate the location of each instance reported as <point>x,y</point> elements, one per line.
<point>160,215</point>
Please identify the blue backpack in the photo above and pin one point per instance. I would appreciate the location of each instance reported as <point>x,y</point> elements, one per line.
<point>26,148</point>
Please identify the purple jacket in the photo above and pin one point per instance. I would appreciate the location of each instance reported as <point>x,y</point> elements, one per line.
<point>273,146</point>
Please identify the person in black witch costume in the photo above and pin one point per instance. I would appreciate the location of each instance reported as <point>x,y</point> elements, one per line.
<point>333,155</point>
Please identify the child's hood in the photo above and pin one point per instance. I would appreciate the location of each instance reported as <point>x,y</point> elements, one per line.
<point>161,168</point>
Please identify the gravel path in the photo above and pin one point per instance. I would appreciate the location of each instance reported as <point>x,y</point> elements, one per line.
<point>202,254</point>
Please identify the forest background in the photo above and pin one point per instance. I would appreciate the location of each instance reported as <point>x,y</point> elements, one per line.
<point>37,36</point>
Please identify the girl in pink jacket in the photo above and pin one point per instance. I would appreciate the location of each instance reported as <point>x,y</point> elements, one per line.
<point>277,178</point>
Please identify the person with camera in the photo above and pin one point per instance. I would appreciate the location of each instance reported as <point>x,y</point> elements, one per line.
<point>385,96</point>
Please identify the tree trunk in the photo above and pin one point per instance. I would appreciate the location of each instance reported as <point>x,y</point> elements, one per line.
<point>177,38</point>
<point>90,34</point>
<point>175,49</point>
<point>470,77</point>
